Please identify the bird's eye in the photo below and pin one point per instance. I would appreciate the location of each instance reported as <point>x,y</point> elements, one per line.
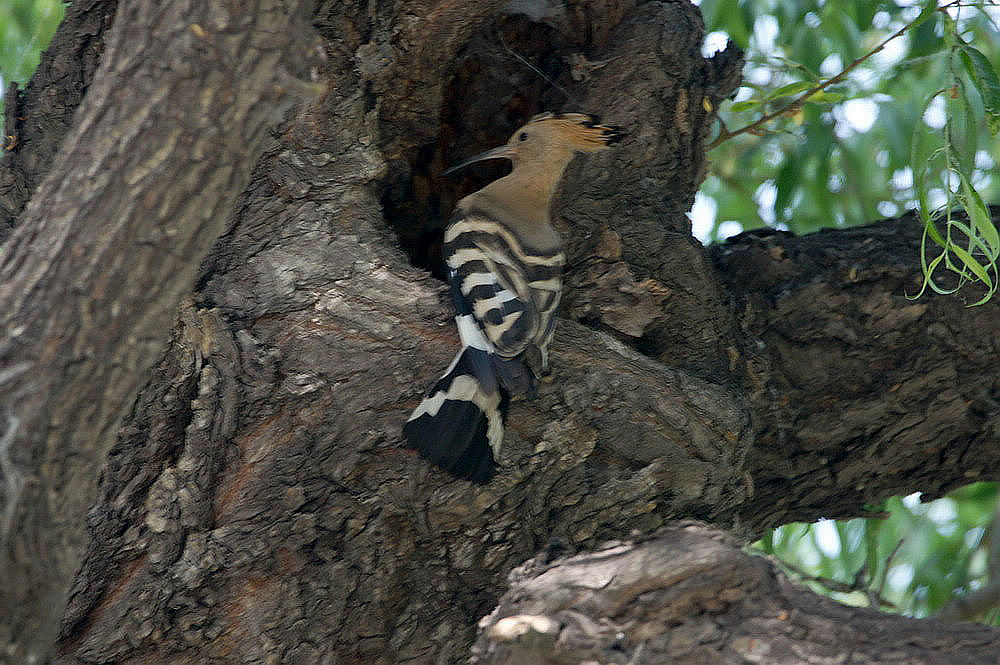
<point>523,137</point>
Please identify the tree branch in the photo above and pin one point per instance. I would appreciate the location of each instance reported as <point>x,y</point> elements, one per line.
<point>36,119</point>
<point>689,595</point>
<point>859,392</point>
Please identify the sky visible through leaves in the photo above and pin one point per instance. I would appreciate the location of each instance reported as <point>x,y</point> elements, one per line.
<point>842,163</point>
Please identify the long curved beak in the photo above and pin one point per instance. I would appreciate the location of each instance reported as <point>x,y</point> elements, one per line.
<point>496,153</point>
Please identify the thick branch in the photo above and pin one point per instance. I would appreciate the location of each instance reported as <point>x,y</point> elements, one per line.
<point>91,277</point>
<point>689,595</point>
<point>859,393</point>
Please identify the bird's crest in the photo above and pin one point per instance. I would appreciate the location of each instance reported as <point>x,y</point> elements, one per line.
<point>585,132</point>
<point>577,132</point>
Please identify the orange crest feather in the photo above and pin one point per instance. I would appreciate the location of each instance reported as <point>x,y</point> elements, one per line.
<point>585,132</point>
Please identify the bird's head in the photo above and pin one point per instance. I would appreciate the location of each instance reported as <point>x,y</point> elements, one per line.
<point>551,138</point>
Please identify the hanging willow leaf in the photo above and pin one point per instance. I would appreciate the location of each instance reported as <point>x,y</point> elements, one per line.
<point>739,107</point>
<point>985,78</point>
<point>791,89</point>
<point>920,162</point>
<point>961,130</point>
<point>979,214</point>
<point>824,97</point>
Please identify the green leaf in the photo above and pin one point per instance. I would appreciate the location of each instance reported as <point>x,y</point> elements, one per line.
<point>985,78</point>
<point>969,262</point>
<point>824,97</point>
<point>24,14</point>
<point>841,29</point>
<point>962,131</point>
<point>786,183</point>
<point>924,40</point>
<point>796,65</point>
<point>950,32</point>
<point>980,217</point>
<point>974,243</point>
<point>739,107</point>
<point>920,160</point>
<point>930,228</point>
<point>930,7</point>
<point>977,269</point>
<point>792,89</point>
<point>767,542</point>
<point>928,269</point>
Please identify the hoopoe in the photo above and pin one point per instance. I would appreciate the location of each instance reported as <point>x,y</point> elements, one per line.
<point>505,265</point>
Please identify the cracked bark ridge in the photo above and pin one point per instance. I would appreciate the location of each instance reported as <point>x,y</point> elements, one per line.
<point>689,595</point>
<point>660,89</point>
<point>91,277</point>
<point>602,291</point>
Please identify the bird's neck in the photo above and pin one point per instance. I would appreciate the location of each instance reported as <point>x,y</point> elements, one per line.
<point>528,190</point>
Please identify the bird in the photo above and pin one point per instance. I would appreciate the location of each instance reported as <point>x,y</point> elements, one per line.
<point>504,264</point>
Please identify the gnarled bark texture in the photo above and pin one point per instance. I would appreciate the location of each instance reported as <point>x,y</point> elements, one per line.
<point>92,275</point>
<point>255,505</point>
<point>687,595</point>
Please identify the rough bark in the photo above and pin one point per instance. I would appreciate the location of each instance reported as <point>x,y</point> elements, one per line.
<point>91,277</point>
<point>687,595</point>
<point>257,506</point>
<point>857,391</point>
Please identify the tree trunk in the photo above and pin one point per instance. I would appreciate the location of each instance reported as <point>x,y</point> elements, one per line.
<point>92,275</point>
<point>255,504</point>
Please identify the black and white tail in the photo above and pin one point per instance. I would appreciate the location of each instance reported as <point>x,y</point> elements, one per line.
<point>505,298</point>
<point>459,425</point>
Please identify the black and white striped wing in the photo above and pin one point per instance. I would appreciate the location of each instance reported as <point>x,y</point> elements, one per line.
<point>511,294</point>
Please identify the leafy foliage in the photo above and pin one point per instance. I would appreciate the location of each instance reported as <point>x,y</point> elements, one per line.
<point>954,162</point>
<point>26,27</point>
<point>845,155</point>
<point>912,561</point>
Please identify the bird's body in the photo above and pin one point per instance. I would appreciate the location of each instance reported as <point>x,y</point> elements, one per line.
<point>504,264</point>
